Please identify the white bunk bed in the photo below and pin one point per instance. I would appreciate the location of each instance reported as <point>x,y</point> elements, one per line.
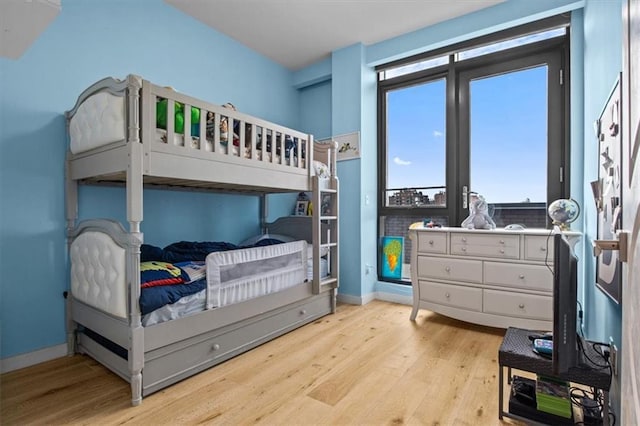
<point>114,138</point>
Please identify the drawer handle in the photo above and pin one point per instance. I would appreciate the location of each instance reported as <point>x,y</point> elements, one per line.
<point>464,249</point>
<point>521,276</point>
<point>215,347</point>
<point>448,269</point>
<point>303,312</point>
<point>464,239</point>
<point>543,249</point>
<point>501,241</point>
<point>502,251</point>
<point>521,306</point>
<point>447,295</point>
<point>430,242</point>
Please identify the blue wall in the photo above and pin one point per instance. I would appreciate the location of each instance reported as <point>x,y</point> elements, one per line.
<point>602,65</point>
<point>90,40</point>
<point>346,118</point>
<point>315,109</point>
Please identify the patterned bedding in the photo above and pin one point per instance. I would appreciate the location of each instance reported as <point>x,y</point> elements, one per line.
<point>177,255</point>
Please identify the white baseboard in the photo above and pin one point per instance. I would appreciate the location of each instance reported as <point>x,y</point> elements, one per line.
<point>363,300</point>
<point>32,358</point>
<point>368,298</point>
<point>350,300</point>
<point>356,300</point>
<point>395,298</point>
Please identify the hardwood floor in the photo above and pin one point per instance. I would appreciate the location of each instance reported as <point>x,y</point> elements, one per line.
<point>364,365</point>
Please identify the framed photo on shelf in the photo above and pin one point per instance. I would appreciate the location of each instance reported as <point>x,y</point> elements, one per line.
<point>301,208</point>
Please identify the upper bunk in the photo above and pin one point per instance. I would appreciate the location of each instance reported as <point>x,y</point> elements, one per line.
<point>135,132</point>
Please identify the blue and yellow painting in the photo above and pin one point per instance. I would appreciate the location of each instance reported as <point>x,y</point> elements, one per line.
<point>392,248</point>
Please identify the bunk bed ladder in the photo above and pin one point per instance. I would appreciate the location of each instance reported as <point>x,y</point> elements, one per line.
<point>325,232</point>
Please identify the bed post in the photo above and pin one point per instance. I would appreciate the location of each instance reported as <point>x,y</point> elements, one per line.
<point>264,212</point>
<point>71,204</point>
<point>71,199</point>
<point>134,217</point>
<point>71,325</point>
<point>134,170</point>
<point>136,345</point>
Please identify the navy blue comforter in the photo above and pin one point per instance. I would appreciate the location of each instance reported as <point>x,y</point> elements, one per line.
<point>183,251</point>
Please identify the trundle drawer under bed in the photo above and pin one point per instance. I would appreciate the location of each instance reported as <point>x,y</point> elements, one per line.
<point>174,362</point>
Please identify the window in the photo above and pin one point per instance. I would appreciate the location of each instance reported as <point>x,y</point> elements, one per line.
<point>484,118</point>
<point>416,143</point>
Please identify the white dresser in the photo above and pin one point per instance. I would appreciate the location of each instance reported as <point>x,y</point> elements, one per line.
<point>499,278</point>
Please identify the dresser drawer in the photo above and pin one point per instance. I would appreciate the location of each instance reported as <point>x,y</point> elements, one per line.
<point>452,295</point>
<point>532,277</point>
<point>486,245</point>
<point>538,247</point>
<point>432,242</point>
<point>450,269</point>
<point>517,305</point>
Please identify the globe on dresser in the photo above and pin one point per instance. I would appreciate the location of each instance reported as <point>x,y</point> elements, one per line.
<point>563,211</point>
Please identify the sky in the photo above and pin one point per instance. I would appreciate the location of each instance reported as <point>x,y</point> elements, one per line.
<point>508,142</point>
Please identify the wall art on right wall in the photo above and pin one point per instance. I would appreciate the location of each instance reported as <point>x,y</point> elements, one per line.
<point>608,131</point>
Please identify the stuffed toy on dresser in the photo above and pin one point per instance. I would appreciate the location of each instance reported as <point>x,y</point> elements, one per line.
<point>479,216</point>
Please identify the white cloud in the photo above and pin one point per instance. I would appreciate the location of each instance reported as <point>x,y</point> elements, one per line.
<point>437,134</point>
<point>401,162</point>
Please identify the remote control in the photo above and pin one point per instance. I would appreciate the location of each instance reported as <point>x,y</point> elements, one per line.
<point>543,346</point>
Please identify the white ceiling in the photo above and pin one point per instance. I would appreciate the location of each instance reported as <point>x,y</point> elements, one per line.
<point>297,33</point>
<point>21,23</point>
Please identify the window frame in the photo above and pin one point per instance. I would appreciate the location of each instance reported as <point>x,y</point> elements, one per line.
<point>558,167</point>
<point>558,155</point>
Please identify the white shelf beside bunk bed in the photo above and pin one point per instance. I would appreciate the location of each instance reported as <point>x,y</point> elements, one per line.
<point>115,139</point>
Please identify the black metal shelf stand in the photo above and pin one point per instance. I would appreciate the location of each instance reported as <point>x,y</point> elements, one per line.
<point>516,353</point>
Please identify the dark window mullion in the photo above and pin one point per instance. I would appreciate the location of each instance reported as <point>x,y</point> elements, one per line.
<point>556,150</point>
<point>462,160</point>
<point>453,145</point>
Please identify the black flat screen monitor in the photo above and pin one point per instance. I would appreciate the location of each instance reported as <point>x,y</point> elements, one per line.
<point>566,341</point>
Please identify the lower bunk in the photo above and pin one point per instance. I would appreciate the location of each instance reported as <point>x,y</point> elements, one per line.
<point>104,320</point>
<point>180,348</point>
